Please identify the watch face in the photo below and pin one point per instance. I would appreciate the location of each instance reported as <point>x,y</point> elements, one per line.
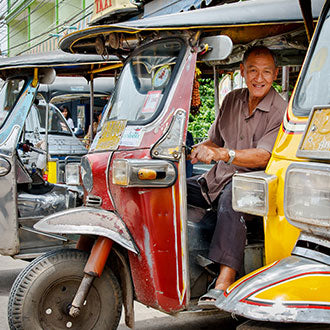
<point>161,77</point>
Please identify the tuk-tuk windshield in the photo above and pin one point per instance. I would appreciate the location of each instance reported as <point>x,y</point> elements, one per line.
<point>37,120</point>
<point>315,84</point>
<point>9,94</point>
<point>144,81</point>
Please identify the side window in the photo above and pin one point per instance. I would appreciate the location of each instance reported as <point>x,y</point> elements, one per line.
<point>9,94</point>
<point>314,86</point>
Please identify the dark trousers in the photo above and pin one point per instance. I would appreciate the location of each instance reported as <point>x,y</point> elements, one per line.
<point>229,237</point>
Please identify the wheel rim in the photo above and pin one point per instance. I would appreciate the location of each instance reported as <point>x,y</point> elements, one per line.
<point>53,307</point>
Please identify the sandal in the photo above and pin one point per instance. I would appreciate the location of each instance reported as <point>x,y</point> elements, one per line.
<point>208,300</point>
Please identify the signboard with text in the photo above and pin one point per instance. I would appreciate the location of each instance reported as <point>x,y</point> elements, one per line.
<point>109,8</point>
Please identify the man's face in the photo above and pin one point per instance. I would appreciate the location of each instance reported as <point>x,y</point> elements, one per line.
<point>259,72</point>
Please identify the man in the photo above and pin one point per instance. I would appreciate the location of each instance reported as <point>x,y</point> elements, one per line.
<point>241,139</point>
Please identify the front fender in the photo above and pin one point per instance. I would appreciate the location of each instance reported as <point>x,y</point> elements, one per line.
<point>88,220</point>
<point>294,289</point>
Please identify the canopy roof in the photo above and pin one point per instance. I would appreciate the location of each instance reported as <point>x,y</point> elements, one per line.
<point>71,87</point>
<point>242,21</point>
<point>63,63</point>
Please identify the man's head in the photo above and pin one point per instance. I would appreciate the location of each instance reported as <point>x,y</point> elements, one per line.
<point>259,70</point>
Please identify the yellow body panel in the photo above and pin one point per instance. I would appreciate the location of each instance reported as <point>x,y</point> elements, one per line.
<point>52,171</point>
<point>300,289</point>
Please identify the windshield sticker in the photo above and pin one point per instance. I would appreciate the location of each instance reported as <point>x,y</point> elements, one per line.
<point>151,102</point>
<point>132,136</point>
<point>110,135</point>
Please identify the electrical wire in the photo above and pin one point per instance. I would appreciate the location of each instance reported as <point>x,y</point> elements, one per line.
<point>60,28</point>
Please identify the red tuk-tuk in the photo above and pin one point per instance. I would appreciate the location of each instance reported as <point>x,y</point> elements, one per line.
<point>139,239</point>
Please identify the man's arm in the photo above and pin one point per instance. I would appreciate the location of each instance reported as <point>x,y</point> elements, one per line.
<point>208,151</point>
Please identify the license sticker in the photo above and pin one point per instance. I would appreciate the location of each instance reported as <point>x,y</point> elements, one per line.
<point>151,102</point>
<point>132,136</point>
<point>316,139</point>
<point>109,136</point>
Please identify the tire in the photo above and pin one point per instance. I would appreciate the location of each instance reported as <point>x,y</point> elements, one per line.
<point>42,292</point>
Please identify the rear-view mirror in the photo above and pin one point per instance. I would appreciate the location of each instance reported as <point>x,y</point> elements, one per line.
<point>219,48</point>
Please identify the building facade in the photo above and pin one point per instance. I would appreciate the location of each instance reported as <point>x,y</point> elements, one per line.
<point>37,25</point>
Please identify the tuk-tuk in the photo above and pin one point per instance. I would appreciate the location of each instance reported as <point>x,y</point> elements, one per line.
<point>63,145</point>
<point>26,196</point>
<point>138,238</point>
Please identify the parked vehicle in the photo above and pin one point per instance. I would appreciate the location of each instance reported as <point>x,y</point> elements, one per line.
<point>293,195</point>
<point>25,196</point>
<point>139,240</point>
<point>63,145</point>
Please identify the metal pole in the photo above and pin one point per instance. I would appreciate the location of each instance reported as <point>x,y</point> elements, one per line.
<point>47,128</point>
<point>91,109</point>
<point>285,82</point>
<point>216,89</point>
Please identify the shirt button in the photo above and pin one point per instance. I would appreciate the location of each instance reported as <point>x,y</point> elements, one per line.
<point>241,137</point>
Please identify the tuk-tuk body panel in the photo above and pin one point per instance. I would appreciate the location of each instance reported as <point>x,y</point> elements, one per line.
<point>99,163</point>
<point>155,216</point>
<point>9,136</point>
<point>294,289</point>
<point>278,231</point>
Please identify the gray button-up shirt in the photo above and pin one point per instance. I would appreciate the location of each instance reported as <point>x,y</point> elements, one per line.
<point>235,129</point>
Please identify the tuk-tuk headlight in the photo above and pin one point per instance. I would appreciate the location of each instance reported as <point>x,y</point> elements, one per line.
<point>307,196</point>
<point>254,192</point>
<point>72,174</point>
<point>143,173</point>
<point>86,174</point>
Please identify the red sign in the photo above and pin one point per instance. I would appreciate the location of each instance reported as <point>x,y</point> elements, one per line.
<point>102,4</point>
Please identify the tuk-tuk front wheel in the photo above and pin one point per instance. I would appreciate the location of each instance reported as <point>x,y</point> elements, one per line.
<point>41,295</point>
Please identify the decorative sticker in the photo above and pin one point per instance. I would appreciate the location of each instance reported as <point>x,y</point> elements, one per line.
<point>317,135</point>
<point>151,102</point>
<point>109,136</point>
<point>132,136</point>
<point>161,77</point>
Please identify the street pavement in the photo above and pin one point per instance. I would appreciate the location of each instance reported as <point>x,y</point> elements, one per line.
<point>145,318</point>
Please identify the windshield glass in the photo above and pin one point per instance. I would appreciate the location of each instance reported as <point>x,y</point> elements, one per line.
<point>9,94</point>
<point>314,86</point>
<point>37,119</point>
<point>144,81</point>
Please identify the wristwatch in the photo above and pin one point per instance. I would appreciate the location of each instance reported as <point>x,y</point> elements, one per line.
<point>232,155</point>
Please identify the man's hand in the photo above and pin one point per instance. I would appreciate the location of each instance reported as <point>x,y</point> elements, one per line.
<point>206,153</point>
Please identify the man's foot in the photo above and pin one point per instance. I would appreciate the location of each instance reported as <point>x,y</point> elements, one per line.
<point>207,301</point>
<point>225,279</point>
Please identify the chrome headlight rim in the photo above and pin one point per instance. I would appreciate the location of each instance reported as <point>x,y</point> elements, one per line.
<point>76,178</point>
<point>307,223</point>
<point>269,184</point>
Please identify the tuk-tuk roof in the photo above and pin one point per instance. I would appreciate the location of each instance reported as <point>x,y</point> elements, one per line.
<point>235,15</point>
<point>62,62</point>
<point>76,86</point>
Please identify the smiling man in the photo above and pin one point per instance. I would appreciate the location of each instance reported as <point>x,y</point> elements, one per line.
<point>241,139</point>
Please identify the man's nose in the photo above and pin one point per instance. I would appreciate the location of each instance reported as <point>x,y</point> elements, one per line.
<point>259,76</point>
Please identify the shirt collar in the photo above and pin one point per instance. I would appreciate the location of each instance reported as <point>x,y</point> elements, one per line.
<point>267,101</point>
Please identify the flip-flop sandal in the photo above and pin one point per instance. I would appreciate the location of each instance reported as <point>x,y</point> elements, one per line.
<point>205,302</point>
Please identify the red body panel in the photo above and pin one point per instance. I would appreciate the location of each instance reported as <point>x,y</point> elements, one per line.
<point>152,215</point>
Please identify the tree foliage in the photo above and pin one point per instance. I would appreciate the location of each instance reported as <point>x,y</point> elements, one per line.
<point>200,123</point>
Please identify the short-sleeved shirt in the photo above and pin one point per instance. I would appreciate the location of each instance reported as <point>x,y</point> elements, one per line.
<point>235,129</point>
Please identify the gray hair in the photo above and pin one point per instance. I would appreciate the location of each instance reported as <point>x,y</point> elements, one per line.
<point>259,49</point>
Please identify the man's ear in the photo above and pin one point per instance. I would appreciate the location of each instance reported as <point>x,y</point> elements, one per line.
<point>276,73</point>
<point>241,67</point>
